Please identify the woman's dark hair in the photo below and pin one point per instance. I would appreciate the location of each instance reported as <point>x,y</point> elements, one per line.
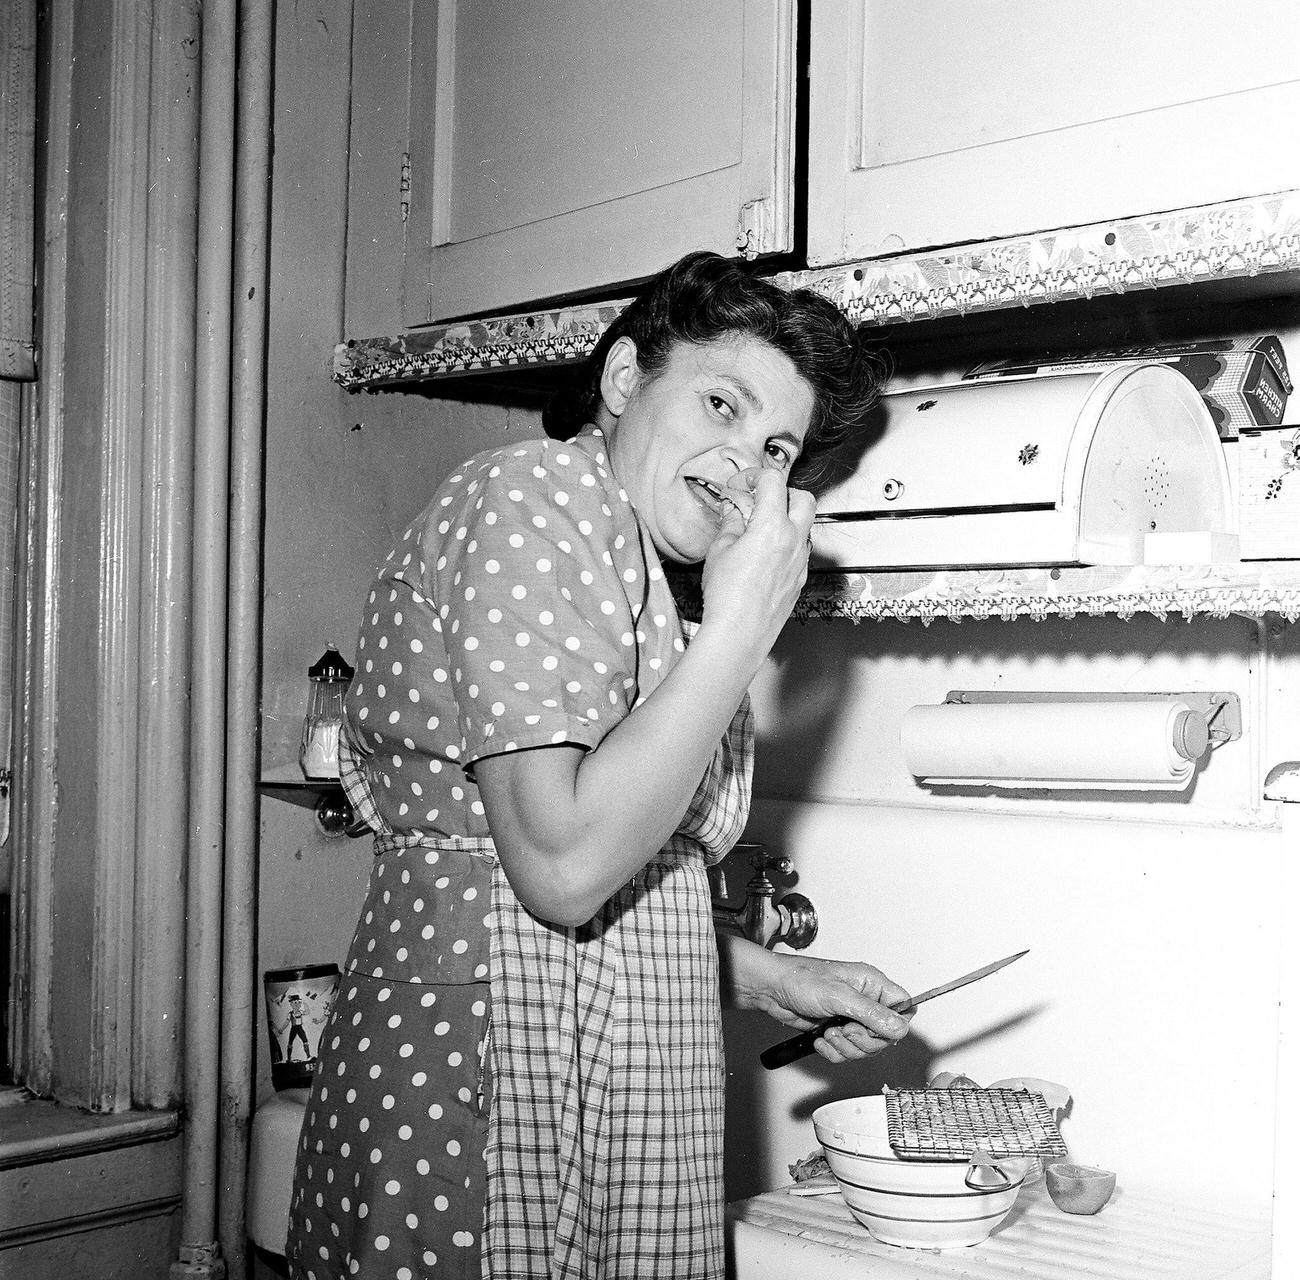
<point>704,297</point>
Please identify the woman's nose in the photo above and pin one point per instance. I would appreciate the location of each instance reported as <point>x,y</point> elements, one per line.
<point>743,454</point>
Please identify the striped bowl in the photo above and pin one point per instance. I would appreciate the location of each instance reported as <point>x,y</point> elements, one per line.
<point>919,1204</point>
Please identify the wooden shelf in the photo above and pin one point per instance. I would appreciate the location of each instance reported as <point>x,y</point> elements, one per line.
<point>326,798</point>
<point>1252,245</point>
<point>1253,589</point>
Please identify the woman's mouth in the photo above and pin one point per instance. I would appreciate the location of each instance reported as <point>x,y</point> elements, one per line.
<point>719,503</point>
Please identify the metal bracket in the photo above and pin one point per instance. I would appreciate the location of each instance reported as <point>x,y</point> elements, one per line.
<point>753,228</point>
<point>1283,782</point>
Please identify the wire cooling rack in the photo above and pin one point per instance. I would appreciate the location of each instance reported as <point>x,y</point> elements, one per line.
<point>948,1124</point>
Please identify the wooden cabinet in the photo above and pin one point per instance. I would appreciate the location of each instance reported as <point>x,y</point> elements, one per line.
<point>555,148</point>
<point>958,164</point>
<point>956,121</point>
<point>549,150</point>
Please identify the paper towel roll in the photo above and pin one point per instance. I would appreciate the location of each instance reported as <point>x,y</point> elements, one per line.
<point>1106,745</point>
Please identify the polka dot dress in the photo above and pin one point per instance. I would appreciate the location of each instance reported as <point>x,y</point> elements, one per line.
<point>524,608</point>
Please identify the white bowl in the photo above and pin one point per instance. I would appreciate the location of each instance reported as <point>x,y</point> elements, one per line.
<point>919,1204</point>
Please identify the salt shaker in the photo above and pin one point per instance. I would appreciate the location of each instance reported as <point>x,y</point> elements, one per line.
<point>330,677</point>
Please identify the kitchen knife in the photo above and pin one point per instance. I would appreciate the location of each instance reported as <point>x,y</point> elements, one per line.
<point>802,1044</point>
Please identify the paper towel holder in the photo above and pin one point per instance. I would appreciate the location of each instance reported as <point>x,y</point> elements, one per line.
<point>1213,717</point>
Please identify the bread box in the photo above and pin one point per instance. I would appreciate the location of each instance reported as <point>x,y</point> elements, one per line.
<point>1118,467</point>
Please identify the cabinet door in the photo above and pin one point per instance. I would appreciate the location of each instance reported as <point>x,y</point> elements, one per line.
<point>947,121</point>
<point>558,147</point>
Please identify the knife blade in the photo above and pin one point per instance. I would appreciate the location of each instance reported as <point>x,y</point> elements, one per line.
<point>800,1046</point>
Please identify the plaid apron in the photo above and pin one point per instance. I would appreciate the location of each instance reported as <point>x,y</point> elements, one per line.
<point>605,1138</point>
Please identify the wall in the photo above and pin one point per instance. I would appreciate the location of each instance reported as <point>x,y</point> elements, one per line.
<point>1152,921</point>
<point>1150,985</point>
<point>344,473</point>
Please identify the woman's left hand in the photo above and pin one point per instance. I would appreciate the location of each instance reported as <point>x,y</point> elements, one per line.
<point>800,991</point>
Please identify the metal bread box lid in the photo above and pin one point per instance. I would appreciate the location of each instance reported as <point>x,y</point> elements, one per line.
<point>1119,467</point>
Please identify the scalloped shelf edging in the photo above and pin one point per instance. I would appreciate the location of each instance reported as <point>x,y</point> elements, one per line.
<point>1258,235</point>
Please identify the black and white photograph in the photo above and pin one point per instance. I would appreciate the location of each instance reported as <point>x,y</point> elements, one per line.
<point>649,639</point>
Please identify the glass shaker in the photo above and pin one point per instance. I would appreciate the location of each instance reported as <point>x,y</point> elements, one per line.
<point>329,678</point>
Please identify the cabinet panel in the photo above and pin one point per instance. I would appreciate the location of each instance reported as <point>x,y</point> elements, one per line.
<point>558,148</point>
<point>951,122</point>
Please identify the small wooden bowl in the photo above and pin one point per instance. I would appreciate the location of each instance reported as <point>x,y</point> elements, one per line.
<point>1077,1188</point>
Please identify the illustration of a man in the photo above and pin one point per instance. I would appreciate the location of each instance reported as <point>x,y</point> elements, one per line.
<point>296,1029</point>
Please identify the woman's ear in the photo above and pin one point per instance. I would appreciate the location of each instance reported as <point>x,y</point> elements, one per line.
<point>619,378</point>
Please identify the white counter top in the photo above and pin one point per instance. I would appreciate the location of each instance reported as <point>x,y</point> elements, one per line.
<point>1136,1237</point>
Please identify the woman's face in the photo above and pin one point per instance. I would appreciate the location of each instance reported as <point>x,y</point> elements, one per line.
<point>676,440</point>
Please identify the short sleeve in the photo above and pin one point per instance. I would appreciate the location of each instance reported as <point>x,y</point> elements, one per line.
<point>537,574</point>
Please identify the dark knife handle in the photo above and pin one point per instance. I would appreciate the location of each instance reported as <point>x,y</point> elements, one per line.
<point>797,1046</point>
<point>801,1046</point>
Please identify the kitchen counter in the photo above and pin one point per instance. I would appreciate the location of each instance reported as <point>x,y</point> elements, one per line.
<point>1135,1237</point>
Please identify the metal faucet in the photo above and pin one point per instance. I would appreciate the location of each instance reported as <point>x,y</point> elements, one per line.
<point>793,920</point>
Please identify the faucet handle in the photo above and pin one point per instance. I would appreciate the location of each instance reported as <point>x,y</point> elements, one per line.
<point>798,922</point>
<point>763,861</point>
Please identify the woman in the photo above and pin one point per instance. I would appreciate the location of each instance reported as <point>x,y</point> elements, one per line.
<point>530,1020</point>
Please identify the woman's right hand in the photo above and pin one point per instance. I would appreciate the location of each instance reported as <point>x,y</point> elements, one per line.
<point>753,574</point>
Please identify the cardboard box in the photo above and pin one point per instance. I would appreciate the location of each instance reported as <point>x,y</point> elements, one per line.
<point>1268,492</point>
<point>1244,382</point>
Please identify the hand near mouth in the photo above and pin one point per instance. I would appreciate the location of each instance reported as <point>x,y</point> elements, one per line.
<point>754,572</point>
<point>740,494</point>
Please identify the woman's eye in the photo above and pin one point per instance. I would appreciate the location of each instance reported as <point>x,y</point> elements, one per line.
<point>722,406</point>
<point>779,454</point>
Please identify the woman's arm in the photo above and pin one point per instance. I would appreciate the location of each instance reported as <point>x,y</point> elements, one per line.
<point>799,991</point>
<point>572,826</point>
